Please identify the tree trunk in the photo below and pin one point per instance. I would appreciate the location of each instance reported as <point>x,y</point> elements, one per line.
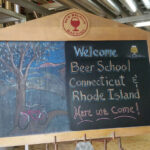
<point>20,97</point>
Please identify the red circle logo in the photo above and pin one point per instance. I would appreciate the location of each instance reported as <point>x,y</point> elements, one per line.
<point>75,24</point>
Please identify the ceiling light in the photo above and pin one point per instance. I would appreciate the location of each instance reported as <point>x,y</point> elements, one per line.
<point>146,3</point>
<point>130,5</point>
<point>90,1</point>
<point>142,24</point>
<point>111,5</point>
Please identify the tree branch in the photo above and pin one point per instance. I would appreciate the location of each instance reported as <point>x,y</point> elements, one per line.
<point>28,67</point>
<point>12,59</point>
<point>21,62</point>
<point>22,57</point>
<point>34,57</point>
<point>7,65</point>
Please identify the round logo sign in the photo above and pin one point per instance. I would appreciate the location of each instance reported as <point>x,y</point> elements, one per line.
<point>75,24</point>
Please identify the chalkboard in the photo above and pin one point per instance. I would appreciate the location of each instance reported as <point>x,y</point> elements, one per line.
<point>107,84</point>
<point>32,88</point>
<point>57,86</point>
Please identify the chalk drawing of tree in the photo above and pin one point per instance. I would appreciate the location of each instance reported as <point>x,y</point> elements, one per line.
<point>16,59</point>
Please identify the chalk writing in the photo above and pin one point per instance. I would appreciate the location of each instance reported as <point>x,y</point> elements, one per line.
<point>104,83</point>
<point>134,79</point>
<point>75,67</point>
<point>91,52</point>
<point>82,113</point>
<point>84,116</point>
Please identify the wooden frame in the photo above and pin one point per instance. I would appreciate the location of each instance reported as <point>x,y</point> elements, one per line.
<point>73,136</point>
<point>50,29</point>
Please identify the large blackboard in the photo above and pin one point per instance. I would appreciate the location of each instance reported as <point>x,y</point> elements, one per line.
<point>59,86</point>
<point>107,84</point>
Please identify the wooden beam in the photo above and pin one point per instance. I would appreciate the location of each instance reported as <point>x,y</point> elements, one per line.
<point>133,19</point>
<point>71,4</point>
<point>73,136</point>
<point>7,19</point>
<point>10,13</point>
<point>92,7</point>
<point>32,6</point>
